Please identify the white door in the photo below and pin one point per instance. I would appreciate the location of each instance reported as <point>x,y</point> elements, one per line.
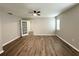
<point>25,27</point>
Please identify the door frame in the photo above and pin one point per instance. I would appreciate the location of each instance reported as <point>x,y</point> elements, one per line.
<point>28,22</point>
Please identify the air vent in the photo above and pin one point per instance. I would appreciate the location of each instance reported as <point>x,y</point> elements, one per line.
<point>10,13</point>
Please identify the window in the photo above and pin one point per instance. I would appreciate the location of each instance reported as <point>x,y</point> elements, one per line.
<point>58,24</point>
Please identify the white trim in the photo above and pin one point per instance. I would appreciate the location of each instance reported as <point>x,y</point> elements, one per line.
<point>25,35</point>
<point>1,51</point>
<point>68,43</point>
<point>44,34</point>
<point>10,41</point>
<point>28,27</point>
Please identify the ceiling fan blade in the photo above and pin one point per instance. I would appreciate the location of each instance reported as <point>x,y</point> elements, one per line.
<point>38,12</point>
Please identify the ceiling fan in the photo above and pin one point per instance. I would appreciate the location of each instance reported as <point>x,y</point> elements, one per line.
<point>36,13</point>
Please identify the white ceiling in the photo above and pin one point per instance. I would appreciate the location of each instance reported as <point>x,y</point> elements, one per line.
<point>25,9</point>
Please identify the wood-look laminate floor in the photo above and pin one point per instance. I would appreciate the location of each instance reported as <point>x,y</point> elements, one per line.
<point>37,46</point>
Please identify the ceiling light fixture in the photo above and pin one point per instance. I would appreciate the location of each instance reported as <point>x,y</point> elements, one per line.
<point>34,14</point>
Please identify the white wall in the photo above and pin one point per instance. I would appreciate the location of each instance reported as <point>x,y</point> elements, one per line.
<point>0,35</point>
<point>69,26</point>
<point>43,25</point>
<point>10,28</point>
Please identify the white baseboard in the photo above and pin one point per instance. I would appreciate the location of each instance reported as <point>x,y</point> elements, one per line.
<point>10,41</point>
<point>68,43</point>
<point>44,34</point>
<point>1,51</point>
<point>24,34</point>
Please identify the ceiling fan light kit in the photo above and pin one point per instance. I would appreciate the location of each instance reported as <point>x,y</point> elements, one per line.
<point>36,13</point>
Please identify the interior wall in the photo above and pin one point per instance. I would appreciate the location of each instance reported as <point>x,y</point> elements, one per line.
<point>10,28</point>
<point>43,25</point>
<point>69,26</point>
<point>0,35</point>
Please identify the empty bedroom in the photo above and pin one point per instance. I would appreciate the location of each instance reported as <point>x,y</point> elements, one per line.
<point>39,29</point>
